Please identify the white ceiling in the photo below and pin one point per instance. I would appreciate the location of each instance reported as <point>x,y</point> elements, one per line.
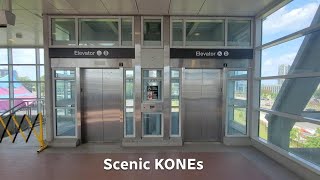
<point>29,12</point>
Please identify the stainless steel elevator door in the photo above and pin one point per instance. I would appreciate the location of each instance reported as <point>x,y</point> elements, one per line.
<point>101,105</point>
<point>202,99</point>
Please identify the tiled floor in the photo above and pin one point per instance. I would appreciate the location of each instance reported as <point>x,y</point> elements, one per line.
<point>86,162</point>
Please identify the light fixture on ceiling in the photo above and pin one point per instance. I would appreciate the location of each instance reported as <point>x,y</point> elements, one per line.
<point>11,40</point>
<point>19,35</point>
<point>197,34</point>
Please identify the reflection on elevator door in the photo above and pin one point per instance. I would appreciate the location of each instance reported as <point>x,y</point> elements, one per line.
<point>101,103</point>
<point>202,101</point>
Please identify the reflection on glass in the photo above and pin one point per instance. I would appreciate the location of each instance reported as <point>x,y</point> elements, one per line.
<point>126,32</point>
<point>41,73</point>
<point>65,73</point>
<point>298,96</point>
<point>129,121</point>
<point>299,138</point>
<point>3,56</point>
<point>65,122</point>
<point>175,89</point>
<point>63,31</point>
<point>205,33</point>
<point>239,33</point>
<point>177,33</point>
<point>152,32</point>
<point>99,32</point>
<point>152,124</point>
<point>65,90</point>
<point>23,56</point>
<point>301,14</point>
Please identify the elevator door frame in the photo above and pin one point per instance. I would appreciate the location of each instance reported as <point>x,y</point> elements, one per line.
<point>221,99</point>
<point>121,107</point>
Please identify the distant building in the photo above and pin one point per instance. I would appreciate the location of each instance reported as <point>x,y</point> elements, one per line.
<point>283,69</point>
<point>271,88</point>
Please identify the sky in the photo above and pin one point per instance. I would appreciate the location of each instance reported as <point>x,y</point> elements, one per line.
<point>293,17</point>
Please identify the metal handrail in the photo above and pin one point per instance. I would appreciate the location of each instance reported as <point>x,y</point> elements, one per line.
<point>10,110</point>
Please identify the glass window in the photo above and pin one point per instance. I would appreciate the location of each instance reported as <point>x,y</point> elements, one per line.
<point>237,107</point>
<point>42,90</point>
<point>205,33</point>
<point>152,73</point>
<point>298,96</point>
<point>24,56</point>
<point>129,121</point>
<point>4,86</point>
<point>65,90</point>
<point>99,32</point>
<point>175,73</point>
<point>65,122</point>
<point>41,74</point>
<point>3,56</point>
<point>300,138</point>
<point>41,56</point>
<point>64,74</point>
<point>293,57</point>
<point>239,33</point>
<point>296,15</point>
<point>4,73</point>
<point>237,121</point>
<point>175,122</point>
<point>152,124</point>
<point>129,92</point>
<point>4,104</point>
<point>129,73</point>
<point>238,74</point>
<point>126,32</point>
<point>177,33</point>
<point>63,31</point>
<point>25,90</point>
<point>24,73</point>
<point>152,32</point>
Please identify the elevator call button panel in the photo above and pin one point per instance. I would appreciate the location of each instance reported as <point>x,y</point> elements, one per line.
<point>152,107</point>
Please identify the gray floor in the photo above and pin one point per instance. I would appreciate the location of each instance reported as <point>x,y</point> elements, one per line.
<point>271,168</point>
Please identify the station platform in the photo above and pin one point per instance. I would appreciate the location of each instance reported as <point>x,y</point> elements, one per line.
<point>87,161</point>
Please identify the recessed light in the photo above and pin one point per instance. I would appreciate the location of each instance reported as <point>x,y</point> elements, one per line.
<point>196,34</point>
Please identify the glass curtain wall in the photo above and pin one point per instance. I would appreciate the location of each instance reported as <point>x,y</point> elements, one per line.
<point>21,78</point>
<point>289,112</point>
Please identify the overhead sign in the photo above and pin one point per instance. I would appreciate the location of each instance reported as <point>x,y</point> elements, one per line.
<point>91,53</point>
<point>211,53</point>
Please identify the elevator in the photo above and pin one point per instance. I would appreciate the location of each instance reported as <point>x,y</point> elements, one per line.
<point>101,99</point>
<point>202,99</point>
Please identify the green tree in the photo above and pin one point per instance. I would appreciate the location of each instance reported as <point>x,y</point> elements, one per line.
<point>313,141</point>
